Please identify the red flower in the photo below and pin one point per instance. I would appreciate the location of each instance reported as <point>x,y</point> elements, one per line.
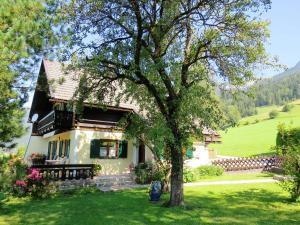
<point>21,183</point>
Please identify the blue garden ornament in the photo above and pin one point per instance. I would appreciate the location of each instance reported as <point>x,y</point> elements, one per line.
<point>155,191</point>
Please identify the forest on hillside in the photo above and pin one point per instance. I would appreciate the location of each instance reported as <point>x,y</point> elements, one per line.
<point>271,91</point>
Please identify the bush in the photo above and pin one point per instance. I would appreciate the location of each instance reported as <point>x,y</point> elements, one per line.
<point>37,186</point>
<point>201,172</point>
<point>207,171</point>
<point>2,197</point>
<point>288,146</point>
<point>246,123</point>
<point>147,172</point>
<point>33,185</point>
<point>97,169</point>
<point>189,175</point>
<point>273,114</point>
<point>14,178</point>
<point>287,107</point>
<point>12,168</point>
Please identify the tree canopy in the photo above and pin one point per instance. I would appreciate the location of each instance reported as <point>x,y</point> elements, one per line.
<point>167,56</point>
<point>23,28</point>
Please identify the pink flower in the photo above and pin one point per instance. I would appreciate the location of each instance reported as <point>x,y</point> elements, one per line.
<point>34,175</point>
<point>21,183</point>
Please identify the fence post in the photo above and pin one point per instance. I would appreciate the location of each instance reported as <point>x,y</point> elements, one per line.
<point>63,175</point>
<point>92,171</point>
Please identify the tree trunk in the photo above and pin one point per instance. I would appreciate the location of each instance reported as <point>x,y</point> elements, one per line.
<point>176,195</point>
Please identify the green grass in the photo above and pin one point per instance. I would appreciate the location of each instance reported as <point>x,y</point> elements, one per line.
<point>224,204</point>
<point>238,176</point>
<point>256,138</point>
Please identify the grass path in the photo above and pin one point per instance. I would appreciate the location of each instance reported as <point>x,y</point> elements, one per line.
<point>223,204</point>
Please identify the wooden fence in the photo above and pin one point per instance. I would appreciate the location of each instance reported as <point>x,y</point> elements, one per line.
<point>66,171</point>
<point>248,163</point>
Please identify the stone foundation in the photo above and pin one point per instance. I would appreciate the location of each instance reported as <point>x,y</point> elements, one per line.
<point>74,184</point>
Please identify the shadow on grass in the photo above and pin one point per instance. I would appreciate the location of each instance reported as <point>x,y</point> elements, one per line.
<point>253,206</point>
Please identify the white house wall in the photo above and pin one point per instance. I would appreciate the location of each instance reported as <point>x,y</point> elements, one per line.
<point>80,140</point>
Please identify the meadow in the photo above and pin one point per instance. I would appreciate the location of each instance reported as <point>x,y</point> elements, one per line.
<point>256,135</point>
<point>223,204</point>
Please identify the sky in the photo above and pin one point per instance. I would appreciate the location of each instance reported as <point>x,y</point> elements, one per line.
<point>284,42</point>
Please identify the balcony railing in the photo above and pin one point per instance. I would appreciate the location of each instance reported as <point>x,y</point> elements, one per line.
<point>55,120</point>
<point>66,171</point>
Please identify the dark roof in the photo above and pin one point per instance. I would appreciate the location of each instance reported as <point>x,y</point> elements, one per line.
<point>62,85</point>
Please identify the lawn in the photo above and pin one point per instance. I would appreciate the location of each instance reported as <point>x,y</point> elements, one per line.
<point>256,138</point>
<point>227,204</point>
<point>238,176</point>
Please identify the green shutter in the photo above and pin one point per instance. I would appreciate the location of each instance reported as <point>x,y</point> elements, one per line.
<point>67,148</point>
<point>189,153</point>
<point>49,149</point>
<point>123,148</point>
<point>61,144</point>
<point>95,149</point>
<point>54,147</point>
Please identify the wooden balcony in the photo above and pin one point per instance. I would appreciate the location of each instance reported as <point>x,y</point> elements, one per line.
<point>55,120</point>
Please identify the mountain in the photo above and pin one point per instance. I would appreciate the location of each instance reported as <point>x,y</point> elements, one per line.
<point>289,72</point>
<point>278,90</point>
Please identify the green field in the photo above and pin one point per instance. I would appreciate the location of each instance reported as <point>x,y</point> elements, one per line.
<point>256,138</point>
<point>223,204</point>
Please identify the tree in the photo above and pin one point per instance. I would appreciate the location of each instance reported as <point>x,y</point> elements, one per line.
<point>288,146</point>
<point>287,107</point>
<point>232,114</point>
<point>166,56</point>
<point>23,29</point>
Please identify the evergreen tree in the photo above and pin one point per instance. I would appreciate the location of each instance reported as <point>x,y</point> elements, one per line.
<point>23,32</point>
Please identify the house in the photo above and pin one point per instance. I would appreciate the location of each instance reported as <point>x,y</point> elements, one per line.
<point>91,136</point>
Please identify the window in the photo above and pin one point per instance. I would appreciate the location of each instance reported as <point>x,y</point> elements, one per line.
<point>62,151</point>
<point>108,149</point>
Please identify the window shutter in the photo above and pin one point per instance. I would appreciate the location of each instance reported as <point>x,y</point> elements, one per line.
<point>54,147</point>
<point>95,148</point>
<point>189,153</point>
<point>61,144</point>
<point>67,148</point>
<point>123,148</point>
<point>49,149</point>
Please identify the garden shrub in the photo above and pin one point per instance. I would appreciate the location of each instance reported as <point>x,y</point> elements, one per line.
<point>2,197</point>
<point>273,114</point>
<point>288,146</point>
<point>97,168</point>
<point>12,168</point>
<point>189,175</point>
<point>147,172</point>
<point>14,178</point>
<point>208,171</point>
<point>33,185</point>
<point>201,172</point>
